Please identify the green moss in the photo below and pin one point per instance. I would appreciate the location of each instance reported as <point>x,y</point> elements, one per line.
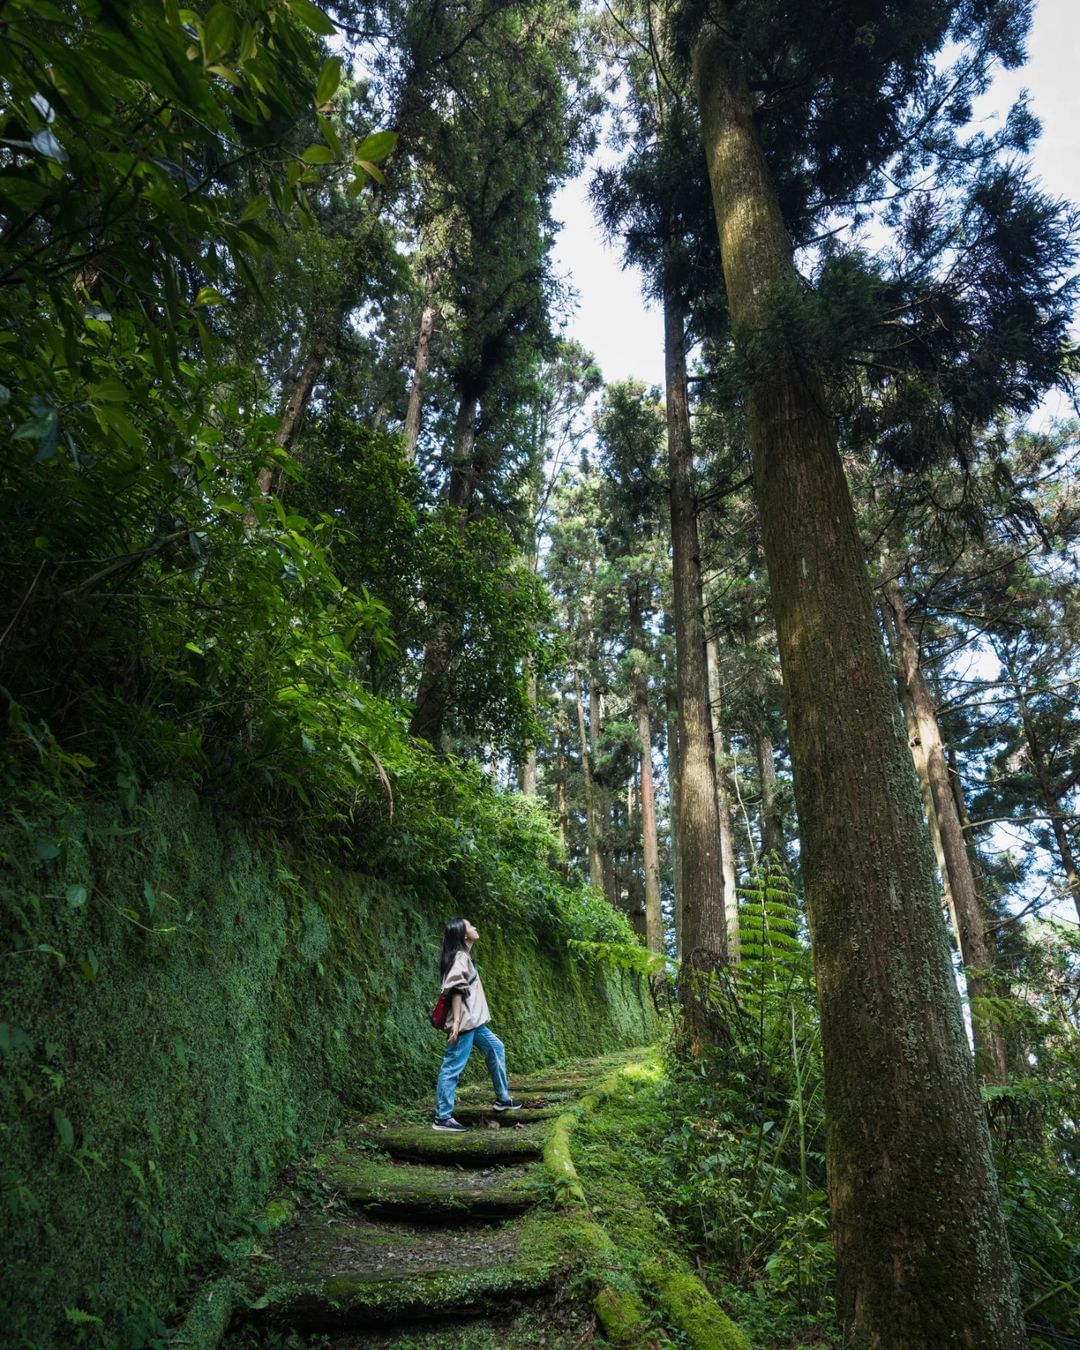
<point>566,1240</point>
<point>279,1212</point>
<point>690,1306</point>
<point>208,1317</point>
<point>545,1249</point>
<point>213,1009</point>
<point>483,1115</point>
<point>473,1146</point>
<point>430,1191</point>
<point>615,1154</point>
<point>623,1317</point>
<point>350,1300</point>
<point>560,1165</point>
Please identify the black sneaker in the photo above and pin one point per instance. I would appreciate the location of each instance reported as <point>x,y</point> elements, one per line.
<point>449,1124</point>
<point>508,1105</point>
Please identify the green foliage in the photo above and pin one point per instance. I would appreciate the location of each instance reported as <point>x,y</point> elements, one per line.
<point>746,1138</point>
<point>633,1191</point>
<point>154,162</point>
<point>210,1007</point>
<point>1033,1120</point>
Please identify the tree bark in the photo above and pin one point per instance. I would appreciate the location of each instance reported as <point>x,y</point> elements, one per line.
<point>601,792</point>
<point>918,757</point>
<point>1051,798</point>
<point>596,857</point>
<point>704,928</point>
<point>528,765</point>
<point>420,370</point>
<point>723,803</point>
<point>433,695</point>
<point>673,758</point>
<point>921,1251</point>
<point>654,924</point>
<point>772,830</point>
<point>976,948</point>
<point>300,384</point>
<point>634,862</point>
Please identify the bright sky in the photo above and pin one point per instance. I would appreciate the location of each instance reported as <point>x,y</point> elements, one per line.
<point>627,338</point>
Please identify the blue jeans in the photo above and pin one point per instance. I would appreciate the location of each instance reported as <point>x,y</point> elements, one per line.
<point>455,1059</point>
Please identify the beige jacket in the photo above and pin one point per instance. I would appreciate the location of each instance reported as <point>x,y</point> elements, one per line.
<point>462,978</point>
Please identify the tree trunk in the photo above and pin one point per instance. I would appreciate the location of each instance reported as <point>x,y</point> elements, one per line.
<point>704,928</point>
<point>420,369</point>
<point>772,829</point>
<point>528,765</point>
<point>673,758</point>
<point>300,383</point>
<point>596,857</point>
<point>918,756</point>
<point>922,1256</point>
<point>976,948</point>
<point>723,802</point>
<point>634,866</point>
<point>433,695</point>
<point>654,924</point>
<point>1051,798</point>
<point>601,792</point>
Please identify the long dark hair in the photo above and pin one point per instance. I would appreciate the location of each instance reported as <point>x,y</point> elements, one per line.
<point>452,943</point>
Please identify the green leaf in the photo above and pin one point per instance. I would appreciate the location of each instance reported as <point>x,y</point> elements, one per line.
<point>82,1319</point>
<point>329,80</point>
<point>150,896</point>
<point>109,390</point>
<point>209,295</point>
<point>312,17</point>
<point>377,146</point>
<point>24,193</point>
<point>371,170</point>
<point>64,1128</point>
<point>225,73</point>
<point>249,45</point>
<point>333,140</point>
<point>318,154</point>
<point>218,28</point>
<point>256,207</point>
<point>47,849</point>
<point>76,896</point>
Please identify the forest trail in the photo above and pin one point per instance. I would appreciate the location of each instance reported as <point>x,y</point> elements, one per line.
<point>396,1235</point>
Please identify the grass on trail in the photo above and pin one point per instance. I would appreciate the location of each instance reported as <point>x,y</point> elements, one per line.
<point>635,1192</point>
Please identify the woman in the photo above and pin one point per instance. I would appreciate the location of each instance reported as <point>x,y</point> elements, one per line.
<point>467,1025</point>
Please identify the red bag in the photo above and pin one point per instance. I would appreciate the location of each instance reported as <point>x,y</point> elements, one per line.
<point>440,1013</point>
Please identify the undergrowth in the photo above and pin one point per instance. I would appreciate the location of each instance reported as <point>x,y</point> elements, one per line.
<point>722,1157</point>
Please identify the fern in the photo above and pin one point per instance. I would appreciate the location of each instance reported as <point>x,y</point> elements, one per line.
<point>626,956</point>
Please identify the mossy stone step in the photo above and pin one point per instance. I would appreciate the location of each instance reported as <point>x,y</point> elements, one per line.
<point>339,1270</point>
<point>549,1325</point>
<point>533,1096</point>
<point>448,1194</point>
<point>470,1113</point>
<point>478,1147</point>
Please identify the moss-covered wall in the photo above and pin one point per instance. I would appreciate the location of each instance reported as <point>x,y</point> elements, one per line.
<point>183,1010</point>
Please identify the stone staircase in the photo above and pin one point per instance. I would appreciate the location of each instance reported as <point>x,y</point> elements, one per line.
<point>405,1231</point>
